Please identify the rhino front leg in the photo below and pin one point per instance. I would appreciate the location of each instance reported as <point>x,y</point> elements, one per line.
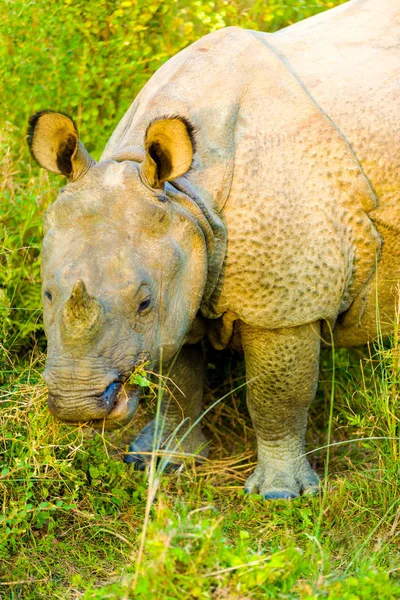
<point>181,407</point>
<point>282,373</point>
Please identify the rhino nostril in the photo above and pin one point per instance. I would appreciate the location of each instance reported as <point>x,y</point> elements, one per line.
<point>109,396</point>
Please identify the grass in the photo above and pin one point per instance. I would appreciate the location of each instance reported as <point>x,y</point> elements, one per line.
<point>73,513</point>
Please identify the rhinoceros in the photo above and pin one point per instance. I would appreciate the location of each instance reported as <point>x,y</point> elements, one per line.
<point>249,196</point>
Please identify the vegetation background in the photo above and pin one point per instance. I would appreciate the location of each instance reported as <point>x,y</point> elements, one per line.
<point>75,521</point>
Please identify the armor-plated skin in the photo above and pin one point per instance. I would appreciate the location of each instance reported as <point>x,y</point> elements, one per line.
<point>284,223</point>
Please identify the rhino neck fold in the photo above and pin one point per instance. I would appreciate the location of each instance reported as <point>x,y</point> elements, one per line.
<point>201,207</point>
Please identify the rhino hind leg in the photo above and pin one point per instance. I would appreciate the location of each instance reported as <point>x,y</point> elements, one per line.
<point>175,433</point>
<point>282,373</point>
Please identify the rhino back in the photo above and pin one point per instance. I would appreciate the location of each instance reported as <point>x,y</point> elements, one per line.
<point>349,60</point>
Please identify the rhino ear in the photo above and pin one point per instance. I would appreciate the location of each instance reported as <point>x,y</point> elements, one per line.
<point>169,146</point>
<point>54,143</point>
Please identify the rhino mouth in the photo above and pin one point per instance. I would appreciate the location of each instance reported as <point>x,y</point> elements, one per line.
<point>120,401</point>
<point>124,407</point>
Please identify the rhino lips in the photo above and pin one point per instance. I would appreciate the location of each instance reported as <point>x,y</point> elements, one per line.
<point>109,396</point>
<point>121,400</point>
<point>124,401</point>
<point>125,404</point>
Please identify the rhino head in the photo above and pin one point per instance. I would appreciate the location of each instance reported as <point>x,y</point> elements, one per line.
<point>123,267</point>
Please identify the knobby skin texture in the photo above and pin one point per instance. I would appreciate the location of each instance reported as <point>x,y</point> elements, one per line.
<point>248,196</point>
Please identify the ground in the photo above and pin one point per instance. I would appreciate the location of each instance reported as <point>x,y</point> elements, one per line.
<point>79,523</point>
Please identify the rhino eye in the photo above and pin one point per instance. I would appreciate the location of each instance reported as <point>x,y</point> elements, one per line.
<point>144,304</point>
<point>48,295</point>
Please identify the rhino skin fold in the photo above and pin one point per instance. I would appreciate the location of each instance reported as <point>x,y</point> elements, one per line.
<point>250,197</point>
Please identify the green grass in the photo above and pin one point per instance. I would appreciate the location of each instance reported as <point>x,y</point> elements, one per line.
<point>75,521</point>
<point>73,513</point>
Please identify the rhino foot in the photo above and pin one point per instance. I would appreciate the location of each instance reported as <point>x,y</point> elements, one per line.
<point>142,446</point>
<point>279,480</point>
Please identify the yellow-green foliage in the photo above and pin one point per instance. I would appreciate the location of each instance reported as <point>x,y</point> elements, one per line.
<point>90,58</point>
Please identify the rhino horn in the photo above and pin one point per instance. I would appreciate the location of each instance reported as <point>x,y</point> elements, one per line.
<point>81,313</point>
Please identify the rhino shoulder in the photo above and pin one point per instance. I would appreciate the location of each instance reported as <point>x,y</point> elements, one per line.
<point>301,245</point>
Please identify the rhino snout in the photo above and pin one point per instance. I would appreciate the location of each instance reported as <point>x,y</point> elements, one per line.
<point>85,408</point>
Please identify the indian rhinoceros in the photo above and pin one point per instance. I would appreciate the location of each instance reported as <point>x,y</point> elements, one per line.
<point>249,196</point>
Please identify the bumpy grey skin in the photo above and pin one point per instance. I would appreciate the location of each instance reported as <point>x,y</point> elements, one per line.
<point>249,195</point>
<point>282,374</point>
